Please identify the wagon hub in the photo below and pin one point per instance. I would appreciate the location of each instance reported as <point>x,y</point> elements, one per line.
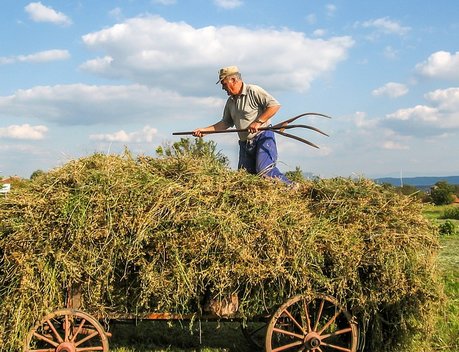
<point>66,347</point>
<point>312,340</point>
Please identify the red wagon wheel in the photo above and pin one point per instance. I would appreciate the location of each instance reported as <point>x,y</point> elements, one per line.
<point>67,330</point>
<point>319,324</point>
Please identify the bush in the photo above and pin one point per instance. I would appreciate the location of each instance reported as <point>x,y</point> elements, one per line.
<point>442,193</point>
<point>451,213</point>
<point>447,228</point>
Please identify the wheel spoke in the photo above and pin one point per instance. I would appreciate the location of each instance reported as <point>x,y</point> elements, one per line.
<point>43,338</point>
<point>337,347</point>
<point>286,347</point>
<point>339,332</point>
<point>289,333</point>
<point>330,322</point>
<point>58,337</point>
<point>308,320</point>
<point>294,320</point>
<point>83,321</point>
<point>317,324</point>
<point>67,328</point>
<point>319,315</point>
<point>87,338</point>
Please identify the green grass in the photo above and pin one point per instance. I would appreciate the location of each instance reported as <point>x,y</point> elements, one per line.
<point>434,212</point>
<point>227,336</point>
<point>446,336</point>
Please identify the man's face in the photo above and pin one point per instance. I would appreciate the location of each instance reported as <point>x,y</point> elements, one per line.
<point>229,85</point>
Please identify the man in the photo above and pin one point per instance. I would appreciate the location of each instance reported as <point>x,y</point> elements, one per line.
<point>249,107</point>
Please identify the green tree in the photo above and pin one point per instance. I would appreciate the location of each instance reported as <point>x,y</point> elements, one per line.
<point>442,193</point>
<point>36,174</point>
<point>412,191</point>
<point>196,147</point>
<point>295,176</point>
<point>447,228</point>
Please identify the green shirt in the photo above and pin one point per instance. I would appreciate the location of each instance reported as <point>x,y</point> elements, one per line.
<point>241,110</point>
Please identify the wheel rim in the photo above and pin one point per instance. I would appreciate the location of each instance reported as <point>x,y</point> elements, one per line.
<point>316,324</point>
<point>67,330</point>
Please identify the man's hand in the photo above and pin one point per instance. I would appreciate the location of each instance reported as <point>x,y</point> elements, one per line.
<point>254,126</point>
<point>197,133</point>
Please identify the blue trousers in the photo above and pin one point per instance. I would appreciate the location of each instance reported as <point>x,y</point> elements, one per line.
<point>259,155</point>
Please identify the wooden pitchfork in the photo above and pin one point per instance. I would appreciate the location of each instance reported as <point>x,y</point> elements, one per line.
<point>278,128</point>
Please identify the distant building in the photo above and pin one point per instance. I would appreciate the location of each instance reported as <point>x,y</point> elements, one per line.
<point>6,187</point>
<point>5,184</point>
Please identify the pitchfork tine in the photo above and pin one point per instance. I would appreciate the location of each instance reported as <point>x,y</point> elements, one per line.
<point>286,122</point>
<point>302,126</point>
<point>297,138</point>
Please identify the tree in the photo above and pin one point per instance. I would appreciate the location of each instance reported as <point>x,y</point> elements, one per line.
<point>196,148</point>
<point>295,176</point>
<point>36,174</point>
<point>442,193</point>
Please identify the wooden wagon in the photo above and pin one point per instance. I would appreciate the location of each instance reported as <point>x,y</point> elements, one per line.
<point>302,323</point>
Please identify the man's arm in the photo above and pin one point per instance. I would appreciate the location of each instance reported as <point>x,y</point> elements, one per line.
<point>265,116</point>
<point>219,126</point>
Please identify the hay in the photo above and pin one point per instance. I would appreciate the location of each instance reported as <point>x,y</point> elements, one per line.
<point>158,234</point>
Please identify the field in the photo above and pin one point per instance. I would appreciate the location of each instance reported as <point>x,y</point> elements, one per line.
<point>227,336</point>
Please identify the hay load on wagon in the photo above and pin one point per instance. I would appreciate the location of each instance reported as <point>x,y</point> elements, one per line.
<point>141,235</point>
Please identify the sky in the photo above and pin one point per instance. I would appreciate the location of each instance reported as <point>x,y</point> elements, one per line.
<point>79,77</point>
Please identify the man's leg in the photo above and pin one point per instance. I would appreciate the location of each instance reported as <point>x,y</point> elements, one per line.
<point>247,157</point>
<point>266,157</point>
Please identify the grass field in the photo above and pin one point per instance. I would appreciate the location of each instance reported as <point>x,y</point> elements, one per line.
<point>227,336</point>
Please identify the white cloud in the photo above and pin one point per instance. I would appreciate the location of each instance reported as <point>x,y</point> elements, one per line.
<point>439,116</point>
<point>418,113</point>
<point>155,52</point>
<point>447,100</point>
<point>319,33</point>
<point>311,19</point>
<point>39,57</point>
<point>164,2</point>
<point>361,121</point>
<point>228,4</point>
<point>25,131</point>
<point>116,13</point>
<point>440,64</point>
<point>146,135</point>
<point>80,104</point>
<point>41,13</point>
<point>390,53</point>
<point>331,9</point>
<point>391,89</point>
<point>385,26</point>
<point>392,145</point>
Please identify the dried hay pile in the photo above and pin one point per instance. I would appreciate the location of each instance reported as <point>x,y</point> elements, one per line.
<point>156,234</point>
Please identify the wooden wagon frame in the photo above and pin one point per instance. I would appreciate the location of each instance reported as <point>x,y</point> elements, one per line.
<point>307,322</point>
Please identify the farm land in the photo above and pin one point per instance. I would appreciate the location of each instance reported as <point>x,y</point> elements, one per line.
<point>227,336</point>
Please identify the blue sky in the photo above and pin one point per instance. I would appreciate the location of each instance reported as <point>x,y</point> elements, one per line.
<point>78,77</point>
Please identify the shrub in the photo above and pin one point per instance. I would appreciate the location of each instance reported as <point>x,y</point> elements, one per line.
<point>451,213</point>
<point>447,228</point>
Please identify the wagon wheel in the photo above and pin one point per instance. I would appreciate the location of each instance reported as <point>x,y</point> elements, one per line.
<point>67,330</point>
<point>319,324</point>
